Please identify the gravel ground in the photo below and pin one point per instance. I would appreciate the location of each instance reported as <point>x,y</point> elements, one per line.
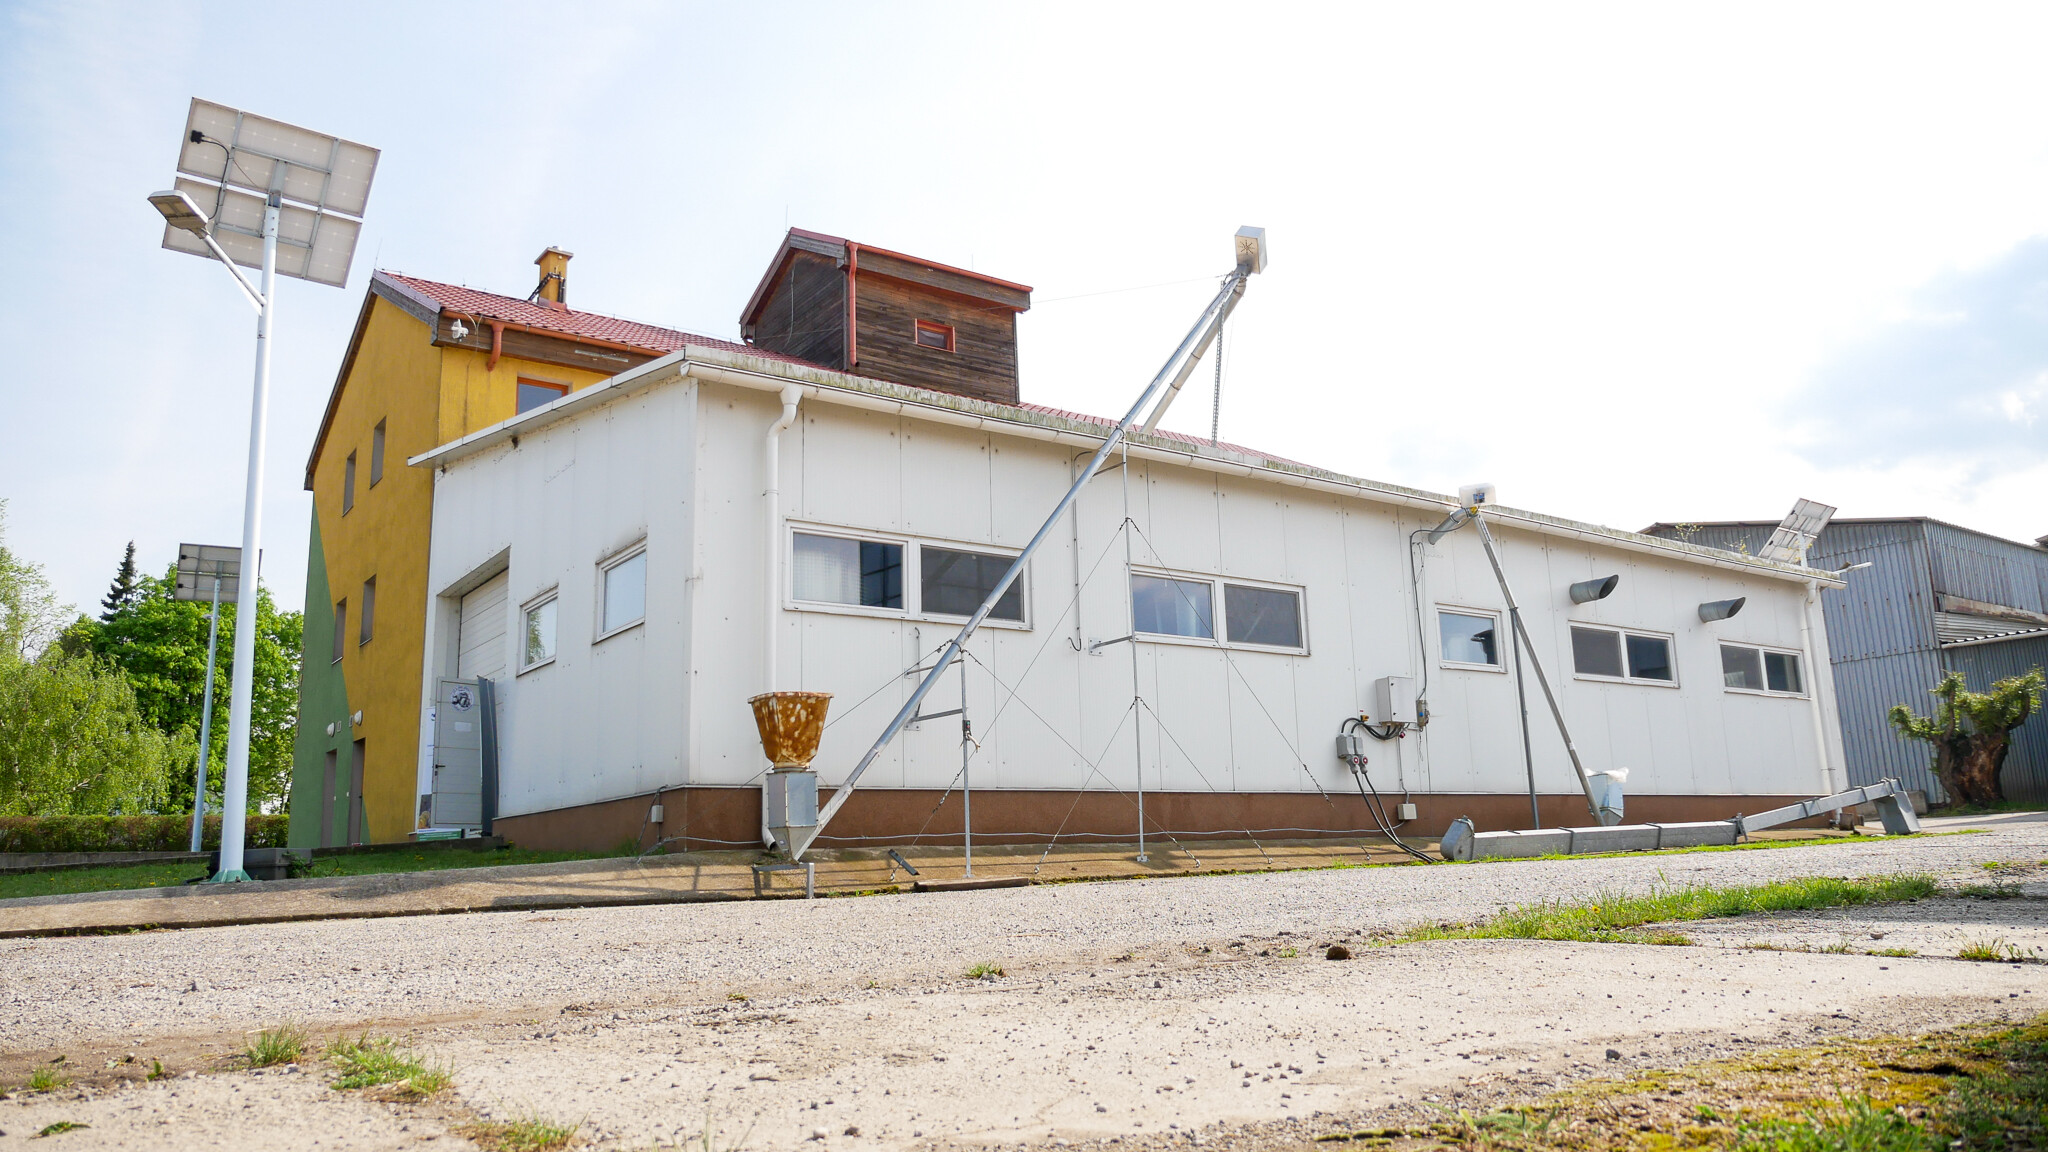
<point>621,1017</point>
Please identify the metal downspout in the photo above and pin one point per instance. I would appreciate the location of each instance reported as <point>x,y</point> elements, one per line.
<point>852,313</point>
<point>1820,723</point>
<point>771,492</point>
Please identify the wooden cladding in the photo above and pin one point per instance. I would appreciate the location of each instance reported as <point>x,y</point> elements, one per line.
<point>540,348</point>
<point>911,322</point>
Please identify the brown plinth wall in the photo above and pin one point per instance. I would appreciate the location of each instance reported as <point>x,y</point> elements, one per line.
<point>698,818</point>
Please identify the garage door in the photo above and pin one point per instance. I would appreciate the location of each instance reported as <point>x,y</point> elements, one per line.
<point>481,648</point>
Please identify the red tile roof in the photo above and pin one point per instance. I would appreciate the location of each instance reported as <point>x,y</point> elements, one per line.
<point>570,323</point>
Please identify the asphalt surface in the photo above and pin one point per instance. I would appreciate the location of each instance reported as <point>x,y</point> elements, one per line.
<point>1126,1008</point>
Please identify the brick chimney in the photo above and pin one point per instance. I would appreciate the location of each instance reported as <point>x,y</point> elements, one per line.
<point>554,278</point>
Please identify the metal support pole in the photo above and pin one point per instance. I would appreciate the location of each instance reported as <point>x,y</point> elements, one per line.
<point>1137,717</point>
<point>1522,702</point>
<point>235,802</point>
<point>206,722</point>
<point>1542,681</point>
<point>966,781</point>
<point>1219,308</point>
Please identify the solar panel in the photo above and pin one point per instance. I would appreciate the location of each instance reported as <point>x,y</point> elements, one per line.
<point>198,564</point>
<point>1796,532</point>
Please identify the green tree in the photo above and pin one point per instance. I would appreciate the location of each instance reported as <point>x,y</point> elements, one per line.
<point>30,617</point>
<point>160,644</point>
<point>73,743</point>
<point>1972,732</point>
<point>123,591</point>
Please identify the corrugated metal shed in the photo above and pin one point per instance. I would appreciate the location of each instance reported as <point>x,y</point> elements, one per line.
<point>1891,636</point>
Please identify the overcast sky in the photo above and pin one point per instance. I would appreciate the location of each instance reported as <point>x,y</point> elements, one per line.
<point>1630,263</point>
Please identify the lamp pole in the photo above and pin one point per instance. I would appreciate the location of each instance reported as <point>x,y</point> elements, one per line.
<point>206,720</point>
<point>234,815</point>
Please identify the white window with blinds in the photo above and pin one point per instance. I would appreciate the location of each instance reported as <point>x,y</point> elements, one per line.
<point>1217,610</point>
<point>857,573</point>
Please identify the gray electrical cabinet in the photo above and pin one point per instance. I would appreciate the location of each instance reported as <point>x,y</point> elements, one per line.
<point>457,799</point>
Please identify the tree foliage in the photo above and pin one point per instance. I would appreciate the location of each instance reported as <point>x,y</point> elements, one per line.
<point>72,741</point>
<point>1972,732</point>
<point>123,591</point>
<point>30,617</point>
<point>160,644</point>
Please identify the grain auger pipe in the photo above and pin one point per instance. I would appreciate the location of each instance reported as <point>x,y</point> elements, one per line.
<point>1251,258</point>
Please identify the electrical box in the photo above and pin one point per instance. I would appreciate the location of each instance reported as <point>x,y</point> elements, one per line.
<point>1404,813</point>
<point>1350,746</point>
<point>1393,700</point>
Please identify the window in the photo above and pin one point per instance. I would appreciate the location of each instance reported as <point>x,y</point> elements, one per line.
<point>625,593</point>
<point>835,570</point>
<point>1167,607</point>
<point>954,583</point>
<point>933,335</point>
<point>1187,606</point>
<point>376,453</point>
<point>539,645</point>
<point>1469,638</point>
<point>1749,669</point>
<point>1609,653</point>
<point>534,393</point>
<point>368,610</point>
<point>1269,616</point>
<point>340,628</point>
<point>348,484</point>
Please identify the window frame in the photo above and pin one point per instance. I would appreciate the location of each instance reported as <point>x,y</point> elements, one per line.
<point>553,595</point>
<point>1805,670</point>
<point>1623,633</point>
<point>377,454</point>
<point>558,387</point>
<point>913,578</point>
<point>604,568</point>
<point>1219,612</point>
<point>348,483</point>
<point>366,613</point>
<point>340,638</point>
<point>1501,641</point>
<point>918,327</point>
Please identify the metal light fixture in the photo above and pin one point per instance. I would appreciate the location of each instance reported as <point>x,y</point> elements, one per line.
<point>1251,248</point>
<point>179,211</point>
<point>1598,588</point>
<point>1721,609</point>
<point>1456,520</point>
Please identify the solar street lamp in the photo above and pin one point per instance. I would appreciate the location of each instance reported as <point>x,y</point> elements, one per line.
<point>286,201</point>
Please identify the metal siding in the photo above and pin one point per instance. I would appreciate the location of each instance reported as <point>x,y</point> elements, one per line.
<point>2026,766</point>
<point>1987,568</point>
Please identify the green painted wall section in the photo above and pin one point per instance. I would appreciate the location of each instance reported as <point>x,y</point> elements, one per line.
<point>323,700</point>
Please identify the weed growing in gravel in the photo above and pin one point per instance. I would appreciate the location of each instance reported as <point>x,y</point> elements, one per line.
<point>986,969</point>
<point>1998,952</point>
<point>736,997</point>
<point>1288,953</point>
<point>2003,890</point>
<point>46,1080</point>
<point>1609,916</point>
<point>1896,952</point>
<point>530,1133</point>
<point>367,1061</point>
<point>282,1044</point>
<point>62,1126</point>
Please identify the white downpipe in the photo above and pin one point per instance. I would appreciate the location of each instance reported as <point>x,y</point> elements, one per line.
<point>1829,782</point>
<point>792,395</point>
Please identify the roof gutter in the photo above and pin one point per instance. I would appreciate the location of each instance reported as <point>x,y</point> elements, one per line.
<point>1144,448</point>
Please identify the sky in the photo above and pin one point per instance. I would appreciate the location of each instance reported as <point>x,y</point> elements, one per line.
<point>1628,262</point>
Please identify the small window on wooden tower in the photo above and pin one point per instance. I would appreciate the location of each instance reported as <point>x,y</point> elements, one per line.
<point>931,335</point>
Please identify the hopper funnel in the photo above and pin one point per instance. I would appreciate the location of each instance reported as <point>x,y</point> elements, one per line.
<point>791,724</point>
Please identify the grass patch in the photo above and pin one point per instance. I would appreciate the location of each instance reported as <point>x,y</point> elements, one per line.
<point>985,970</point>
<point>1998,952</point>
<point>1981,1089</point>
<point>171,875</point>
<point>2004,890</point>
<point>46,1079</point>
<point>524,1134</point>
<point>60,1126</point>
<point>370,1062</point>
<point>283,1044</point>
<point>1613,917</point>
<point>1900,953</point>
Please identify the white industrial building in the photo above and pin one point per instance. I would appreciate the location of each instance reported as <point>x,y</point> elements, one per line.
<point>625,570</point>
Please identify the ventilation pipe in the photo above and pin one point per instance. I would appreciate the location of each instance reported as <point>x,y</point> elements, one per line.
<point>553,288</point>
